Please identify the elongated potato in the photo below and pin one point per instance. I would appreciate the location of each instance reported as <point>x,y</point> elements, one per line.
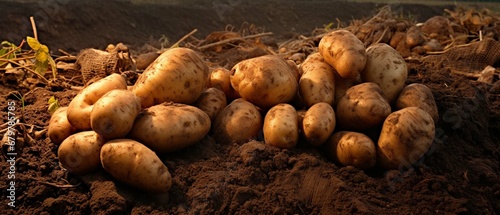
<point>59,127</point>
<point>364,106</point>
<point>352,149</point>
<point>317,83</point>
<point>281,126</point>
<point>387,68</point>
<point>344,52</point>
<point>418,95</point>
<point>79,153</point>
<point>178,75</point>
<point>265,81</point>
<point>318,123</point>
<point>136,165</point>
<point>114,113</point>
<point>212,101</point>
<point>80,107</point>
<point>239,122</point>
<point>406,136</point>
<point>169,127</point>
<point>221,78</point>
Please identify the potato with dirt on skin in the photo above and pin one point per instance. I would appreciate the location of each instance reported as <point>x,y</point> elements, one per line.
<point>318,123</point>
<point>80,107</point>
<point>177,75</point>
<point>211,101</point>
<point>317,83</point>
<point>135,164</point>
<point>387,68</point>
<point>406,136</point>
<point>363,106</point>
<point>265,81</point>
<point>351,148</point>
<point>79,153</point>
<point>281,126</point>
<point>344,52</point>
<point>342,85</point>
<point>59,127</point>
<point>169,127</point>
<point>114,113</point>
<point>418,95</point>
<point>238,122</point>
<point>221,78</point>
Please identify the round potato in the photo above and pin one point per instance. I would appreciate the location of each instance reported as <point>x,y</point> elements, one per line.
<point>342,85</point>
<point>281,126</point>
<point>59,127</point>
<point>136,165</point>
<point>79,153</point>
<point>80,107</point>
<point>317,83</point>
<point>221,78</point>
<point>211,101</point>
<point>238,122</point>
<point>344,51</point>
<point>418,95</point>
<point>363,106</point>
<point>265,81</point>
<point>114,113</point>
<point>385,67</point>
<point>405,137</point>
<point>169,127</point>
<point>352,149</point>
<point>177,75</point>
<point>318,123</point>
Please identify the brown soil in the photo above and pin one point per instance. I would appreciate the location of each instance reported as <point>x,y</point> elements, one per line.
<point>458,175</point>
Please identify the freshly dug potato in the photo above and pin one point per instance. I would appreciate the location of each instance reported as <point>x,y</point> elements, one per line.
<point>264,81</point>
<point>437,27</point>
<point>397,38</point>
<point>59,127</point>
<point>414,37</point>
<point>79,153</point>
<point>418,95</point>
<point>80,107</point>
<point>136,165</point>
<point>239,122</point>
<point>178,75</point>
<point>385,67</point>
<point>221,78</point>
<point>318,123</point>
<point>211,101</point>
<point>342,85</point>
<point>317,83</point>
<point>406,135</point>
<point>352,149</point>
<point>344,51</point>
<point>169,127</point>
<point>281,126</point>
<point>114,113</point>
<point>363,106</point>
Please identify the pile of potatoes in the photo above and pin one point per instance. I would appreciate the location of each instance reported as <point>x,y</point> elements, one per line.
<point>346,98</point>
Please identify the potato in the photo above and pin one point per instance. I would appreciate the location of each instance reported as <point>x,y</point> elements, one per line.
<point>418,95</point>
<point>239,122</point>
<point>318,123</point>
<point>406,135</point>
<point>80,107</point>
<point>317,83</point>
<point>134,164</point>
<point>79,153</point>
<point>342,85</point>
<point>169,127</point>
<point>344,51</point>
<point>385,67</point>
<point>264,81</point>
<point>114,113</point>
<point>414,37</point>
<point>352,149</point>
<point>437,27</point>
<point>281,126</point>
<point>59,127</point>
<point>364,106</point>
<point>211,101</point>
<point>178,75</point>
<point>221,78</point>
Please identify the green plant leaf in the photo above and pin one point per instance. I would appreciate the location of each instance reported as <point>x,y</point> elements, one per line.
<point>33,43</point>
<point>53,105</point>
<point>52,66</point>
<point>41,55</point>
<point>41,66</point>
